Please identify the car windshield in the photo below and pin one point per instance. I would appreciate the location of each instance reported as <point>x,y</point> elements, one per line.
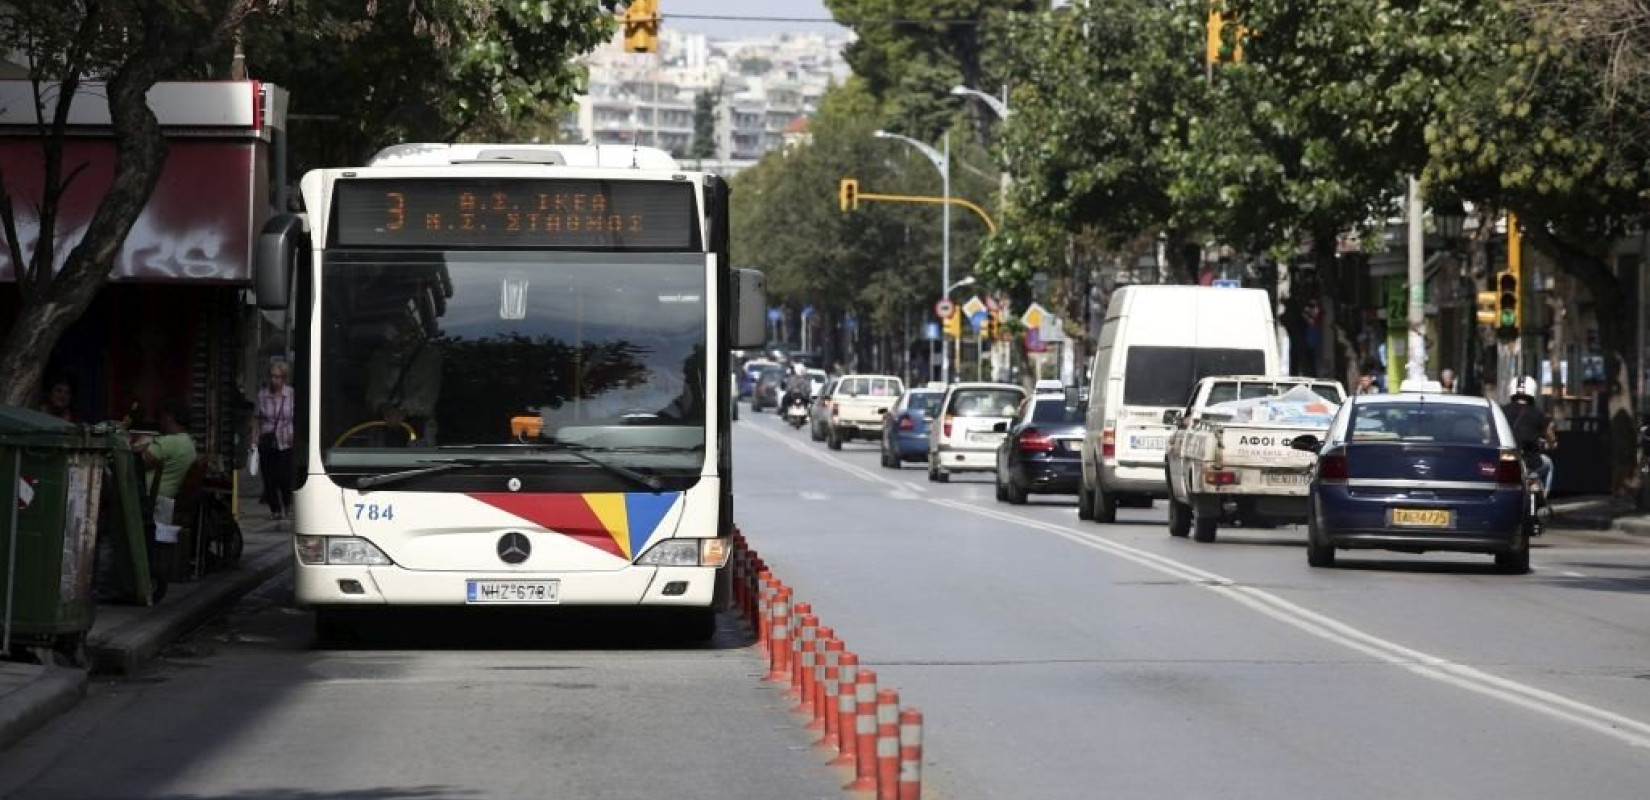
<point>1164,376</point>
<point>1227,391</point>
<point>441,355</point>
<point>985,402</point>
<point>874,387</point>
<point>924,402</point>
<point>1422,422</point>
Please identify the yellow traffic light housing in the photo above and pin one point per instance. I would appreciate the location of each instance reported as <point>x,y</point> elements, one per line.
<point>641,26</point>
<point>1220,47</point>
<point>1487,308</point>
<point>847,194</point>
<point>1507,316</point>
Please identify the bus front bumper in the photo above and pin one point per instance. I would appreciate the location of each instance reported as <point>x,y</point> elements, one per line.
<point>329,585</point>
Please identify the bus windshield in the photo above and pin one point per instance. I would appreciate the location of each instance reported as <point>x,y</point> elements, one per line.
<point>429,356</point>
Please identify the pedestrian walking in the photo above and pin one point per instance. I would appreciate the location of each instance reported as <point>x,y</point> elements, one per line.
<point>272,430</point>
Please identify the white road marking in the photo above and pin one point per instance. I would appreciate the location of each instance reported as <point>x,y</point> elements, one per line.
<point>1609,723</point>
<point>814,495</point>
<point>1573,574</point>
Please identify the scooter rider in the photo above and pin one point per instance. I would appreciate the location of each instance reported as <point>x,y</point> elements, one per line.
<point>797,385</point>
<point>1532,429</point>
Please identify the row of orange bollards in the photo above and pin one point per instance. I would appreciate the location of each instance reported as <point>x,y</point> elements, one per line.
<point>862,725</point>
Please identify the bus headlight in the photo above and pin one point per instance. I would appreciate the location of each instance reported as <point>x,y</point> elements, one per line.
<point>340,551</point>
<point>686,553</point>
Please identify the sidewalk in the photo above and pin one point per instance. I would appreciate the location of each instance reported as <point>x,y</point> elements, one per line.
<point>1600,513</point>
<point>124,637</point>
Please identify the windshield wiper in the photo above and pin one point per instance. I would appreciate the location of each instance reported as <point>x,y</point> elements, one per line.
<point>577,451</point>
<point>375,481</point>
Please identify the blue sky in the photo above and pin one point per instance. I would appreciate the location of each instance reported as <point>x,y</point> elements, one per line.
<point>808,9</point>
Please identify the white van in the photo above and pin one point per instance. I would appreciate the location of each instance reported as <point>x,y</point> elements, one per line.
<point>1156,343</point>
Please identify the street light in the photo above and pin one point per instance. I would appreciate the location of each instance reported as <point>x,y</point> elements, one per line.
<point>968,281</point>
<point>999,106</point>
<point>942,162</point>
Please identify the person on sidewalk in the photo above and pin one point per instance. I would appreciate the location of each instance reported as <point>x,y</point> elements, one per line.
<point>272,430</point>
<point>173,451</point>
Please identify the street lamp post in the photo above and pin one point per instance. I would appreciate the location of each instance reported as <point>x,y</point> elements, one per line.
<point>1000,108</point>
<point>942,162</point>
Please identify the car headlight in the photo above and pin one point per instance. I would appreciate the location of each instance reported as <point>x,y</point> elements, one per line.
<point>340,551</point>
<point>686,553</point>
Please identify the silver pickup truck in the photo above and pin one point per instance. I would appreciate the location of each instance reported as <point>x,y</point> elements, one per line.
<point>858,405</point>
<point>1229,457</point>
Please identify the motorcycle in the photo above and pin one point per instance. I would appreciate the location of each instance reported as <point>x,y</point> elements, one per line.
<point>796,411</point>
<point>1539,513</point>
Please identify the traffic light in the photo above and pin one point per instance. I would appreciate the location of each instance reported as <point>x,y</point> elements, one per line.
<point>1487,308</point>
<point>847,194</point>
<point>1507,316</point>
<point>1221,46</point>
<point>641,26</point>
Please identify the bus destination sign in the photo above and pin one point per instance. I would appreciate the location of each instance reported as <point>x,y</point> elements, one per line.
<point>437,213</point>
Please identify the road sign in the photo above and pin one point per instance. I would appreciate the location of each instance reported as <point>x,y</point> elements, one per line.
<point>931,331</point>
<point>774,315</point>
<point>953,325</point>
<point>973,306</point>
<point>1034,341</point>
<point>1226,283</point>
<point>807,311</point>
<point>944,307</point>
<point>1033,318</point>
<point>977,319</point>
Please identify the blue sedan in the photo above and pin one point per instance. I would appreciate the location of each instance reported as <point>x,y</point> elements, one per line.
<point>905,427</point>
<point>1418,472</point>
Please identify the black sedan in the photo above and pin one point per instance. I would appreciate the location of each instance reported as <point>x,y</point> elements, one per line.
<point>1042,453</point>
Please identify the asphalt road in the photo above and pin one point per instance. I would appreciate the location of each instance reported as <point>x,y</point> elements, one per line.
<point>1052,658</point>
<point>1058,658</point>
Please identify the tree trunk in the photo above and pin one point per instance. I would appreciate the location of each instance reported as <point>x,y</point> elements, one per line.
<point>1616,336</point>
<point>140,152</point>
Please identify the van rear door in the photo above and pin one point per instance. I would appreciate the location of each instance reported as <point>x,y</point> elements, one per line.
<point>1157,378</point>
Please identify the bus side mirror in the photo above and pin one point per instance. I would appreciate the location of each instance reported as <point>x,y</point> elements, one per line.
<point>282,247</point>
<point>750,309</point>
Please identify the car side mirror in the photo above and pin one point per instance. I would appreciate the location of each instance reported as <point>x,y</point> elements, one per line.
<point>1307,443</point>
<point>750,307</point>
<point>1001,427</point>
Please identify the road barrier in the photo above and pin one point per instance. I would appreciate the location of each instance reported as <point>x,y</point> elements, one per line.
<point>847,688</point>
<point>887,744</point>
<point>871,734</point>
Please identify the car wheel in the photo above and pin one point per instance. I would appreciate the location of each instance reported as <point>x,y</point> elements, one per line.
<point>1180,518</point>
<point>815,433</point>
<point>1105,505</point>
<point>1002,494</point>
<point>1085,503</point>
<point>888,462</point>
<point>1515,561</point>
<point>933,470</point>
<point>1014,494</point>
<point>833,439</point>
<point>1318,554</point>
<point>1205,520</point>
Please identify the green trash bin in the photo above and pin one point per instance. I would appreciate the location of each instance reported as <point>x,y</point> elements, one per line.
<point>51,472</point>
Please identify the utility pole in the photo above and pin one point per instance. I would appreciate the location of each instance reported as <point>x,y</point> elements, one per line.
<point>1417,363</point>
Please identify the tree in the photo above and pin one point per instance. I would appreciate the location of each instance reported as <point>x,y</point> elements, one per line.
<point>131,44</point>
<point>1550,130</point>
<point>369,74</point>
<point>380,72</point>
<point>704,124</point>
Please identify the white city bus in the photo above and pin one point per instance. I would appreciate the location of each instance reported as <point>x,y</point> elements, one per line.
<point>504,380</point>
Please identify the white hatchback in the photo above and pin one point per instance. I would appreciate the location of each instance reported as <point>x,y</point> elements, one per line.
<point>964,434</point>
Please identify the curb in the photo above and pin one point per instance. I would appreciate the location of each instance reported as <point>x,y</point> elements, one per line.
<point>1632,527</point>
<point>124,651</point>
<point>57,690</point>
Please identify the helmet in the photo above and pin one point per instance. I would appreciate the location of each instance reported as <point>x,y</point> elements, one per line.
<point>1525,387</point>
<point>800,368</point>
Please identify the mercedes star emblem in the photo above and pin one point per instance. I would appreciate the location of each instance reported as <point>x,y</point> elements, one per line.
<point>513,548</point>
<point>514,484</point>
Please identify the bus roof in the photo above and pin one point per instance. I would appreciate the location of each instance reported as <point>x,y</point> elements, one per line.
<point>550,155</point>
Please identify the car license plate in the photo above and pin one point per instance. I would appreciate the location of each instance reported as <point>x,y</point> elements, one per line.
<point>985,437</point>
<point>1421,517</point>
<point>513,592</point>
<point>1148,442</point>
<point>1285,479</point>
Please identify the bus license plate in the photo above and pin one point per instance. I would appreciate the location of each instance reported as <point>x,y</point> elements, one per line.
<point>513,592</point>
<point>1421,517</point>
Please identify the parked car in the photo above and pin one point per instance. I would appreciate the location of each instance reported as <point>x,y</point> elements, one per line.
<point>1415,473</point>
<point>966,436</point>
<point>1155,343</point>
<point>905,429</point>
<point>858,406</point>
<point>1042,452</point>
<point>1229,458</point>
<point>819,412</point>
